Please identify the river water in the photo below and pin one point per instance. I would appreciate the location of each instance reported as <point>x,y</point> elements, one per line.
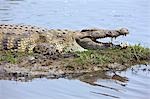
<point>78,14</point>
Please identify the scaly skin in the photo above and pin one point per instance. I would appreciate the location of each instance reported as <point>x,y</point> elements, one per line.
<point>26,38</point>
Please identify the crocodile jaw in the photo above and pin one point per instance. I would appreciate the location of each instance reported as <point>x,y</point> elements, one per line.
<point>115,34</point>
<point>88,38</point>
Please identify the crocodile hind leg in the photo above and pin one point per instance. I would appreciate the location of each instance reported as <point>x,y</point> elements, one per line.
<point>47,50</point>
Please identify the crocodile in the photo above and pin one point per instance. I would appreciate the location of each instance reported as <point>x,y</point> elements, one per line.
<point>27,38</point>
<point>59,53</point>
<point>54,50</point>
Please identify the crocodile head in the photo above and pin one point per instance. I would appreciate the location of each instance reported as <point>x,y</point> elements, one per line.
<point>87,38</point>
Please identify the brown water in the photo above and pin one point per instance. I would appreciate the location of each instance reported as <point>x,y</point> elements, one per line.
<point>77,14</point>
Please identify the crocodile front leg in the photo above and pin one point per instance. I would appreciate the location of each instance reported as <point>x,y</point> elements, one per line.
<point>47,50</point>
<point>50,51</point>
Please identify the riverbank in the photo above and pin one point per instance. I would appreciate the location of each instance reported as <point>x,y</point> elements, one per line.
<point>22,65</point>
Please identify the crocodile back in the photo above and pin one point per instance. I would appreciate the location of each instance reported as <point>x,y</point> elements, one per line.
<point>19,38</point>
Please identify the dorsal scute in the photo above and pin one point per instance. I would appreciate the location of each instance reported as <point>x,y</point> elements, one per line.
<point>19,29</point>
<point>18,37</point>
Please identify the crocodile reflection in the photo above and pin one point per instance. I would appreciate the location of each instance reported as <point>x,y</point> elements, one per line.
<point>89,78</point>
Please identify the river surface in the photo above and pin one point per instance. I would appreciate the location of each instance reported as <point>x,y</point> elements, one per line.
<point>78,14</point>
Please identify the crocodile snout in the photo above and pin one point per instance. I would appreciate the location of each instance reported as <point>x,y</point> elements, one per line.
<point>123,31</point>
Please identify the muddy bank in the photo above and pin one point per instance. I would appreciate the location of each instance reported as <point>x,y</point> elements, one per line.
<point>28,66</point>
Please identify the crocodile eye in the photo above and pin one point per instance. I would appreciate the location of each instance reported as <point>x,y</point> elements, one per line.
<point>109,32</point>
<point>43,30</point>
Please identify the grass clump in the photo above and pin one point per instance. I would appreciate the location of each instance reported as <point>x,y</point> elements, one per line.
<point>132,54</point>
<point>11,57</point>
<point>8,58</point>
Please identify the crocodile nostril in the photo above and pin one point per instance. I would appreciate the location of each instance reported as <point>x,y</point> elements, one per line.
<point>109,33</point>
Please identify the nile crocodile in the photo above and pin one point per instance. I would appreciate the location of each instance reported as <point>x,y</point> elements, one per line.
<point>50,49</point>
<point>26,38</point>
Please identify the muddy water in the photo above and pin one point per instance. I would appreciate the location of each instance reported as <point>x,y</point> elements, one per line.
<point>77,14</point>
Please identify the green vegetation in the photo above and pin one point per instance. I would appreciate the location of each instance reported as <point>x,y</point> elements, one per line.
<point>11,57</point>
<point>8,58</point>
<point>130,55</point>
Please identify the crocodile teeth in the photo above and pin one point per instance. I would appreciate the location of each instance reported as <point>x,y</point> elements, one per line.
<point>124,45</point>
<point>111,39</point>
<point>125,35</point>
